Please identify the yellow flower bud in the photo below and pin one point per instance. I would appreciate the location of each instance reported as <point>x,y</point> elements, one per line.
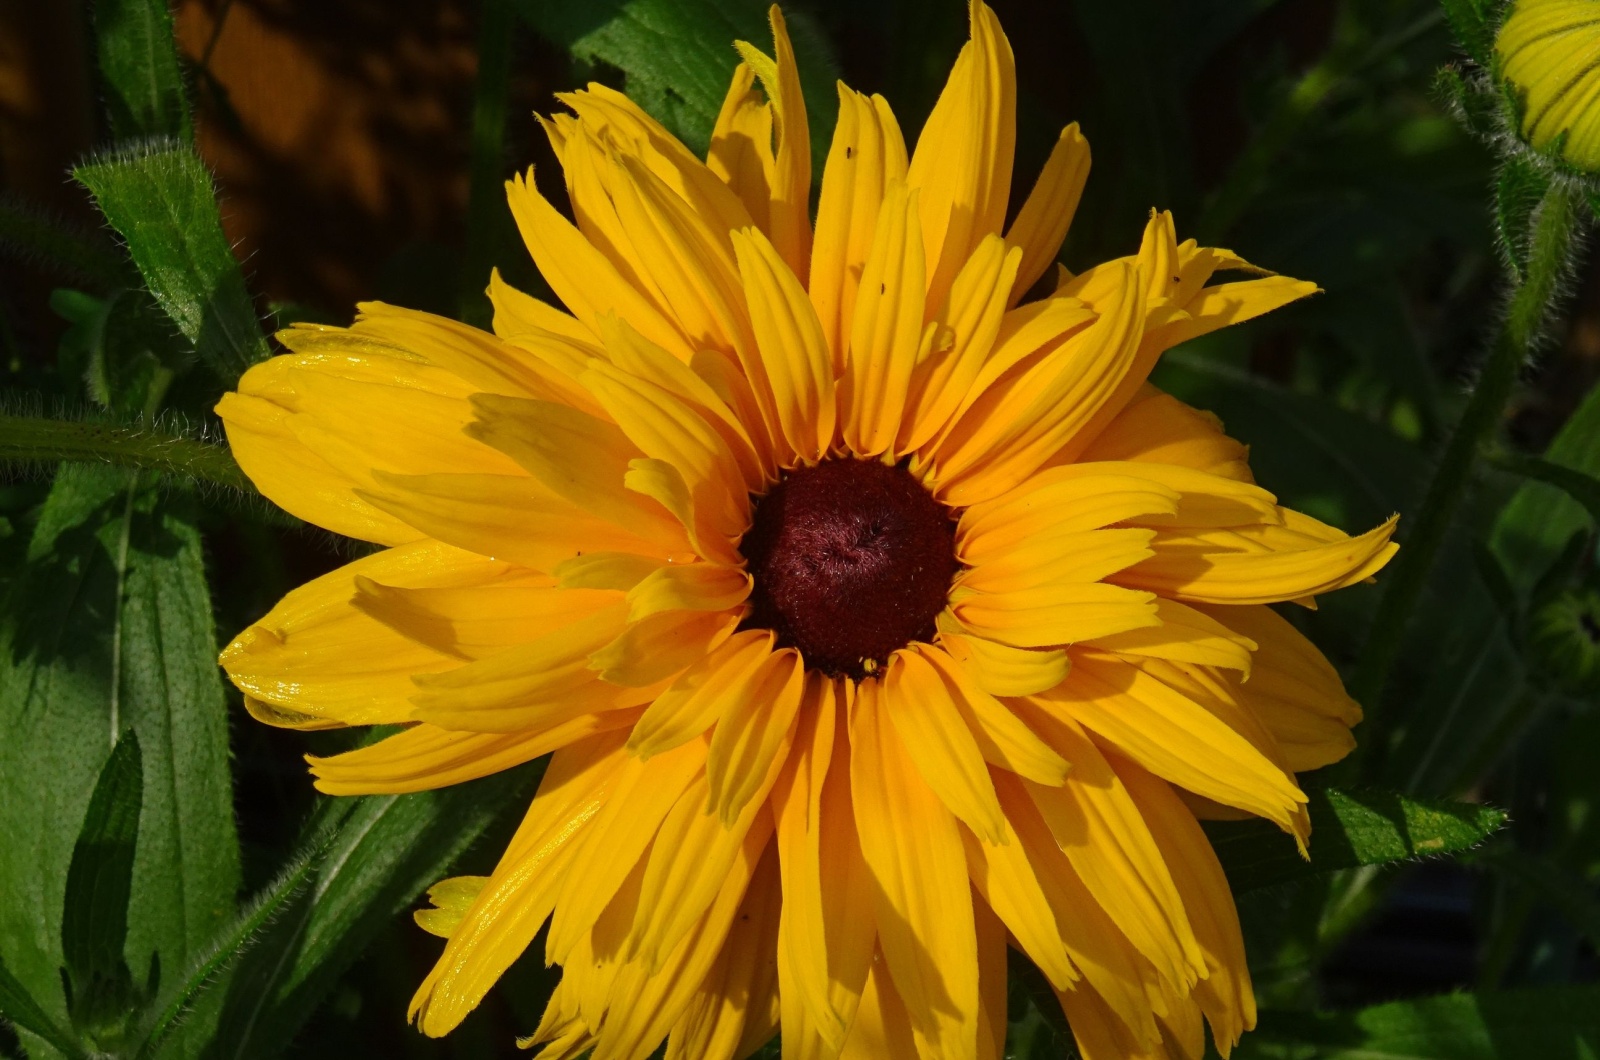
<point>1550,51</point>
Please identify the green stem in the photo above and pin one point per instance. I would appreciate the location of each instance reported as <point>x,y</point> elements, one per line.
<point>37,439</point>
<point>486,201</point>
<point>1531,301</point>
<point>232,945</point>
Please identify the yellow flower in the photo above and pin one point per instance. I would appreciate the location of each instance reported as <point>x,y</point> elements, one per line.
<point>1548,49</point>
<point>875,616</point>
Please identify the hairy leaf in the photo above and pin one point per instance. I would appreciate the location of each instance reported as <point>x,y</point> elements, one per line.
<point>160,198</point>
<point>1349,828</point>
<point>1517,193</point>
<point>139,66</point>
<point>94,916</point>
<point>107,628</point>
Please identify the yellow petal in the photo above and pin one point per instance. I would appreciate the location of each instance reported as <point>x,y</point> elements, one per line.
<point>542,682</point>
<point>753,733</point>
<point>963,157</point>
<point>1099,827</point>
<point>1002,737</point>
<point>578,457</point>
<point>789,215</point>
<point>882,1028</point>
<point>969,322</point>
<point>1225,994</point>
<point>642,794</point>
<point>885,329</point>
<point>916,701</point>
<point>703,694</point>
<point>1232,303</point>
<point>517,314</point>
<point>1173,737</point>
<point>794,352</point>
<point>425,757</point>
<point>508,517</point>
<point>616,571</point>
<point>741,145</point>
<point>1185,634</point>
<point>509,910</point>
<point>316,654</point>
<point>688,587</point>
<point>661,646</point>
<point>1225,568</point>
<point>1059,559</point>
<point>475,621</point>
<point>1005,877</point>
<point>1101,954</point>
<point>451,898</point>
<point>620,120</point>
<point>992,994</point>
<point>867,155</point>
<point>1068,500</point>
<point>1158,428</point>
<point>1001,670</point>
<point>828,928</point>
<point>1022,419</point>
<point>692,856</point>
<point>1046,214</point>
<point>585,281</point>
<point>1054,615</point>
<point>912,845</point>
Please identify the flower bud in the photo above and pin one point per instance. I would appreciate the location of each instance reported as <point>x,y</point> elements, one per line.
<point>1547,52</point>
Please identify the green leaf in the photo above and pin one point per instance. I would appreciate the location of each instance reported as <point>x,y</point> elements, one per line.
<point>17,1006</point>
<point>31,234</point>
<point>121,346</point>
<point>94,915</point>
<point>161,200</point>
<point>678,57</point>
<point>1581,487</point>
<point>1473,23</point>
<point>1540,518</point>
<point>1547,1023</point>
<point>1518,190</point>
<point>139,65</point>
<point>1349,828</point>
<point>386,851</point>
<point>107,628</point>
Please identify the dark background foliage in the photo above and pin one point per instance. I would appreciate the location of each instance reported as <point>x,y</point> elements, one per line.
<point>358,147</point>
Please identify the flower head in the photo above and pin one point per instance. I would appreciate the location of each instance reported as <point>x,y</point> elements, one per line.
<point>1547,51</point>
<point>875,615</point>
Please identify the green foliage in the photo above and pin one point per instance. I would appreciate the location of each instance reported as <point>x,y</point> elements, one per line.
<point>1348,829</point>
<point>94,916</point>
<point>1518,190</point>
<point>384,851</point>
<point>1541,517</point>
<point>108,629</point>
<point>160,198</point>
<point>143,82</point>
<point>1474,24</point>
<point>42,440</point>
<point>19,1008</point>
<point>1553,1023</point>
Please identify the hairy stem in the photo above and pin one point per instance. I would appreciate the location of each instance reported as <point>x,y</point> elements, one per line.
<point>38,439</point>
<point>1531,299</point>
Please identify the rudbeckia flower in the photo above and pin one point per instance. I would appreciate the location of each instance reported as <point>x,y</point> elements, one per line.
<point>876,615</point>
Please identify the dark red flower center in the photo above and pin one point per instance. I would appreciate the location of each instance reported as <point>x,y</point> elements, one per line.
<point>852,559</point>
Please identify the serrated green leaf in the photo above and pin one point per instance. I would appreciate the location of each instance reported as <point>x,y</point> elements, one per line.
<point>160,198</point>
<point>18,1007</point>
<point>94,914</point>
<point>385,852</point>
<point>108,628</point>
<point>678,57</point>
<point>1349,828</point>
<point>143,82</point>
<point>1518,190</point>
<point>1540,519</point>
<point>1549,1023</point>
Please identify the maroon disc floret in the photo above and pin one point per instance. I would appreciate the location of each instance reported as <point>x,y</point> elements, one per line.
<point>852,559</point>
